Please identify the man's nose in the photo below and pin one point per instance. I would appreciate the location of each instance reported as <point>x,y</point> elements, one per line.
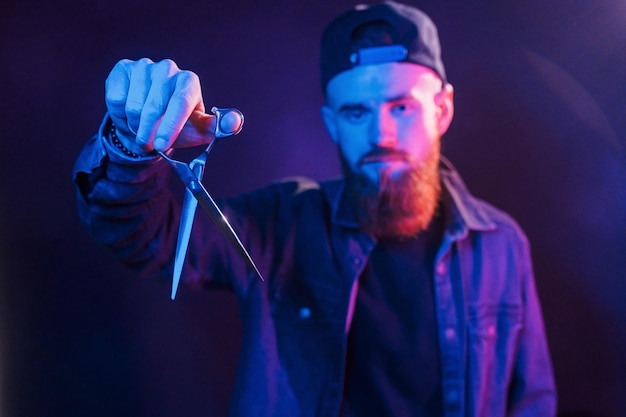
<point>383,130</point>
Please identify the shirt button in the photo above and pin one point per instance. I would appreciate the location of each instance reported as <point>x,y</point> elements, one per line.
<point>441,268</point>
<point>304,313</point>
<point>357,261</point>
<point>450,333</point>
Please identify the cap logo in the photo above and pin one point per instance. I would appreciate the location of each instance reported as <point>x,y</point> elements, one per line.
<point>379,55</point>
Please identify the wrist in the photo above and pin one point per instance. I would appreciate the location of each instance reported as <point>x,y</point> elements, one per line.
<point>119,145</point>
<point>120,148</point>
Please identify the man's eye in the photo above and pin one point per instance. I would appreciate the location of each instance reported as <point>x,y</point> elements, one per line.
<point>400,108</point>
<point>355,115</point>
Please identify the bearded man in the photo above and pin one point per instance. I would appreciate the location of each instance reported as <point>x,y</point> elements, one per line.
<point>390,292</point>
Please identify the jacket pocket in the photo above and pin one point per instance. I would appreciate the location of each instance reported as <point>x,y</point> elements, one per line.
<point>493,331</point>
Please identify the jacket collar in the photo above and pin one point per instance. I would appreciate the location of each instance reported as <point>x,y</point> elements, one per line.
<point>462,210</point>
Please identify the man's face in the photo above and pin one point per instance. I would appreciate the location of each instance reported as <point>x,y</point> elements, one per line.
<point>387,121</point>
<point>386,118</point>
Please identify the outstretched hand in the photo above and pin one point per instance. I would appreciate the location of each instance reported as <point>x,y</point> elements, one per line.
<point>157,106</point>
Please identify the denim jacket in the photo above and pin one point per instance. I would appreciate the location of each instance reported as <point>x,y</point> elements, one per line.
<point>301,234</point>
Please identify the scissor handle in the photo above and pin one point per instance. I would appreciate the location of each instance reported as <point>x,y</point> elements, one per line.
<point>229,121</point>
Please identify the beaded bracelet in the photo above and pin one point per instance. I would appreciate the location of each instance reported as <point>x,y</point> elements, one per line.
<point>119,145</point>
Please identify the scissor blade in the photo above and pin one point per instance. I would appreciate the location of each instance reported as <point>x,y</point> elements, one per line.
<point>210,207</point>
<point>193,185</point>
<point>184,232</point>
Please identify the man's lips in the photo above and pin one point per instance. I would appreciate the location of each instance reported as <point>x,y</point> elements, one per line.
<point>378,156</point>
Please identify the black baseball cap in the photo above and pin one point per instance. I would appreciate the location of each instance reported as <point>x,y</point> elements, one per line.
<point>413,38</point>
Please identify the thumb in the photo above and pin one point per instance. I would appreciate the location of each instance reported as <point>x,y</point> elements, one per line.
<point>202,128</point>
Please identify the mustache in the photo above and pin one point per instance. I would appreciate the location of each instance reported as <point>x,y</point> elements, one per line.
<point>384,154</point>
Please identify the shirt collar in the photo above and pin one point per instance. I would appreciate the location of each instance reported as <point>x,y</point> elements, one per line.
<point>463,211</point>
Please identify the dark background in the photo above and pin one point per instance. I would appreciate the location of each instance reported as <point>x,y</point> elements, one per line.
<point>540,131</point>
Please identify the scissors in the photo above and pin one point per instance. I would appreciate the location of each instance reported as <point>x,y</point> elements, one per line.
<point>195,193</point>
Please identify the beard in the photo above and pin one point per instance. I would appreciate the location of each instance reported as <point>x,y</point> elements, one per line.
<point>400,205</point>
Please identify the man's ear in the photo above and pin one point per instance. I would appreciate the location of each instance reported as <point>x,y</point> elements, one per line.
<point>444,100</point>
<point>328,116</point>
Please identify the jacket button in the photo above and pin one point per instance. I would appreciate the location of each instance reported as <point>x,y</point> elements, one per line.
<point>450,333</point>
<point>441,268</point>
<point>304,313</point>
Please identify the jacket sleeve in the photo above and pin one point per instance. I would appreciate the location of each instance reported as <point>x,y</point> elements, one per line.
<point>129,208</point>
<point>126,205</point>
<point>532,391</point>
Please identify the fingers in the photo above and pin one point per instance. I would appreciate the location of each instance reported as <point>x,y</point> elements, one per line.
<point>116,91</point>
<point>126,89</point>
<point>138,90</point>
<point>198,130</point>
<point>185,98</point>
<point>149,100</point>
